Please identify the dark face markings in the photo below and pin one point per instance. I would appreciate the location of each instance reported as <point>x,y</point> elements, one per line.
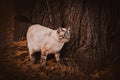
<point>64,34</point>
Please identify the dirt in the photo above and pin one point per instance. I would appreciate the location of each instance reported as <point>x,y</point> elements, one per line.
<point>16,65</point>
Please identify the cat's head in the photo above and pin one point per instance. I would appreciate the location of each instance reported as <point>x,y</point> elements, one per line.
<point>63,34</point>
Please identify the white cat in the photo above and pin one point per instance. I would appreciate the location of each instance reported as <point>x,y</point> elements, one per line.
<point>46,40</point>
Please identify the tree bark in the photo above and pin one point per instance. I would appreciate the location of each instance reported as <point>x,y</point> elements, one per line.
<point>94,28</point>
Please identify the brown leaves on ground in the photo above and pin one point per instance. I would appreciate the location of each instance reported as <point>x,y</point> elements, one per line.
<point>52,70</point>
<point>18,57</point>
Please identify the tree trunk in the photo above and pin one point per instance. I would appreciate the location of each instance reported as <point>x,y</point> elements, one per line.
<point>94,28</point>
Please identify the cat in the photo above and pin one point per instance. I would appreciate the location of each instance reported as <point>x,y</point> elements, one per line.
<point>47,41</point>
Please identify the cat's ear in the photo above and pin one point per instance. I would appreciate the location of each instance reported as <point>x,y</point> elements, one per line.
<point>68,28</point>
<point>59,30</point>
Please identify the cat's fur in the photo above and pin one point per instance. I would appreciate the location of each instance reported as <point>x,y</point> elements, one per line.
<point>46,40</point>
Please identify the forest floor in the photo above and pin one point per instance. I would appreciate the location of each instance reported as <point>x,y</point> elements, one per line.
<point>16,65</point>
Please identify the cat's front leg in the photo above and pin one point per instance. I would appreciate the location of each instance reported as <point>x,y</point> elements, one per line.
<point>43,58</point>
<point>57,56</point>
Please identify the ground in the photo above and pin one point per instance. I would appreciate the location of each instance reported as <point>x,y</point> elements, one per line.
<point>16,65</point>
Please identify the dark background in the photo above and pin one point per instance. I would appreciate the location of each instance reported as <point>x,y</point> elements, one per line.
<point>95,35</point>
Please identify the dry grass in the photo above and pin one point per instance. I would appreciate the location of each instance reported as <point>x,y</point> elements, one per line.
<point>21,68</point>
<point>53,70</point>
